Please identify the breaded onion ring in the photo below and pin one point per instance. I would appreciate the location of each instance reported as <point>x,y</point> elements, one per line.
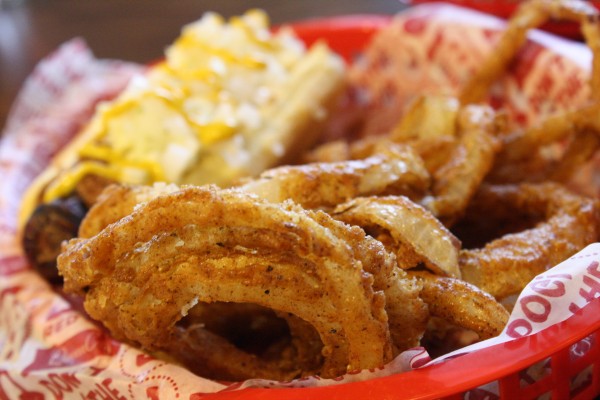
<point>393,169</point>
<point>462,304</point>
<point>407,313</point>
<point>407,229</point>
<point>117,201</point>
<point>471,159</point>
<point>505,265</point>
<point>143,273</point>
<point>205,346</point>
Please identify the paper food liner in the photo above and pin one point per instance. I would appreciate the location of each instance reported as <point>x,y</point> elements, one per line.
<point>49,349</point>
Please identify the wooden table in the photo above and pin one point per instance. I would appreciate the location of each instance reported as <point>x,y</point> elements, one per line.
<point>134,30</point>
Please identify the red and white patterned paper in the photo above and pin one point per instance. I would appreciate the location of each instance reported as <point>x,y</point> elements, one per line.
<point>49,349</point>
<point>440,46</point>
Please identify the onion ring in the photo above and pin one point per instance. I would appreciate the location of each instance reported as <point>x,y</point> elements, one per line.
<point>407,313</point>
<point>143,273</point>
<point>505,265</point>
<point>462,304</point>
<point>407,229</point>
<point>456,181</point>
<point>393,169</point>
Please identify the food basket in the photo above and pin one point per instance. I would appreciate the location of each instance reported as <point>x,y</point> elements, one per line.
<point>561,361</point>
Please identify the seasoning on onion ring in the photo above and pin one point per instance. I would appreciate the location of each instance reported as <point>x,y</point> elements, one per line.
<point>142,274</point>
<point>462,304</point>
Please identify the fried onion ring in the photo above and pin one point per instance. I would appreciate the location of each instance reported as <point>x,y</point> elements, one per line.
<point>472,158</point>
<point>462,304</point>
<point>144,272</point>
<point>505,265</point>
<point>393,169</point>
<point>407,313</point>
<point>407,229</point>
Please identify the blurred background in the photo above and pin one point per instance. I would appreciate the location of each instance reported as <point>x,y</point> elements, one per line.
<point>132,30</point>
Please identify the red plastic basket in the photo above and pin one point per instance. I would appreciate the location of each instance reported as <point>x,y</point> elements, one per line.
<point>568,351</point>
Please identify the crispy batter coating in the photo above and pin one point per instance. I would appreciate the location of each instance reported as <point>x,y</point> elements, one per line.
<point>408,230</point>
<point>407,312</point>
<point>116,202</point>
<point>455,182</point>
<point>393,169</point>
<point>463,304</point>
<point>505,265</point>
<point>143,273</point>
